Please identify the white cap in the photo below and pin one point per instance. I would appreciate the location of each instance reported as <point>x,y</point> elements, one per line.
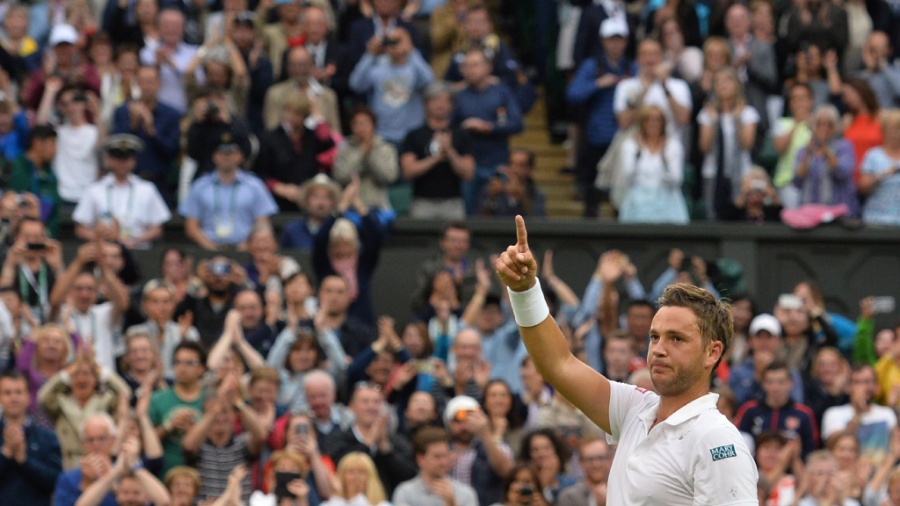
<point>765,322</point>
<point>460,403</point>
<point>610,27</point>
<point>63,34</point>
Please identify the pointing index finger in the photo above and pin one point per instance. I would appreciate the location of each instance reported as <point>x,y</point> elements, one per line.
<point>521,235</point>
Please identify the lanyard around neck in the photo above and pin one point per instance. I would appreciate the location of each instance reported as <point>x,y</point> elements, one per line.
<point>109,202</point>
<point>40,286</point>
<point>232,199</point>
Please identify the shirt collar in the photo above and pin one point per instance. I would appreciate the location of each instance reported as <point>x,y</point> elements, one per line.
<point>692,409</point>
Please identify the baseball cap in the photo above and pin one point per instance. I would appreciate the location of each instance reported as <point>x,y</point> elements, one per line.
<point>459,403</point>
<point>765,322</point>
<point>612,27</point>
<point>63,34</point>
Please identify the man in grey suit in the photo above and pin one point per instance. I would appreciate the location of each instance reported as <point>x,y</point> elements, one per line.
<point>754,61</point>
<point>595,457</point>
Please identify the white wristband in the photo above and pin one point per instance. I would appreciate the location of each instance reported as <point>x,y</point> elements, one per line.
<point>529,307</point>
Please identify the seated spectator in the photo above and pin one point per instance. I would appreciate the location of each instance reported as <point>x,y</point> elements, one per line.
<point>183,483</point>
<point>67,63</point>
<point>521,486</point>
<point>825,166</point>
<point>267,268</point>
<point>158,304</point>
<point>32,172</point>
<point>360,485</point>
<point>30,454</point>
<point>489,113</point>
<point>299,67</point>
<point>211,118</point>
<point>287,461</point>
<point>790,135</point>
<point>380,365</point>
<point>652,171</point>
<point>14,324</point>
<point>318,199</point>
<point>292,153</point>
<point>17,42</point>
<point>296,353</point>
<point>212,446</point>
<point>175,411</point>
<point>728,129</point>
<point>367,155</point>
<point>777,411</point>
<point>98,435</point>
<point>825,483</point>
<point>878,71</point>
<point>135,204</point>
<point>350,249</point>
<point>433,486</point>
<point>222,69</point>
<point>437,158</point>
<point>222,279</point>
<point>234,344</point>
<point>213,219</point>
<point>259,68</point>
<point>392,75</point>
<point>844,447</point>
<point>862,124</point>
<point>299,301</point>
<point>544,450</point>
<point>136,27</point>
<point>76,297</point>
<point>777,456</point>
<point>513,190</point>
<point>155,123</point>
<point>766,346</point>
<point>128,481</point>
<point>445,29</point>
<point>329,417</point>
<point>32,266</point>
<point>827,384</point>
<point>371,434</point>
<point>595,457</point>
<point>758,201</point>
<point>483,461</point>
<point>876,179</point>
<point>80,390</point>
<point>478,33</point>
<point>871,423</point>
<point>141,366</point>
<point>77,138</point>
<point>172,55</point>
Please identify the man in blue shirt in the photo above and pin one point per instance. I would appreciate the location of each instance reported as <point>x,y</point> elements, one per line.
<point>222,206</point>
<point>30,459</point>
<point>98,436</point>
<point>490,114</point>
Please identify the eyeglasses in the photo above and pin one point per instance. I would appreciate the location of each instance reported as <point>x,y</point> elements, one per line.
<point>367,385</point>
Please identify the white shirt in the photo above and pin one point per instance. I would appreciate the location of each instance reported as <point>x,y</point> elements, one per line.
<point>75,164</point>
<point>97,327</point>
<point>136,205</point>
<point>631,89</point>
<point>694,457</point>
<point>748,116</point>
<point>171,91</point>
<point>653,170</point>
<point>873,433</point>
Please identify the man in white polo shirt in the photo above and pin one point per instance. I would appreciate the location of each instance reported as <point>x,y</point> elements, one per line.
<point>674,448</point>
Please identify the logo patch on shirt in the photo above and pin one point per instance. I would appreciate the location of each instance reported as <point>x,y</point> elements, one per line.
<point>722,452</point>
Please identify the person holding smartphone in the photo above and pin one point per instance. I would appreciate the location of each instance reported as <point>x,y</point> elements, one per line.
<point>522,488</point>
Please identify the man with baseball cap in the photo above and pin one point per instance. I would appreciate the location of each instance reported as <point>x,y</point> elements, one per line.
<point>121,206</point>
<point>223,206</point>
<point>68,64</point>
<point>482,461</point>
<point>766,345</point>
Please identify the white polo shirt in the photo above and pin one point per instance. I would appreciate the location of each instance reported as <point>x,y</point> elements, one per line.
<point>694,457</point>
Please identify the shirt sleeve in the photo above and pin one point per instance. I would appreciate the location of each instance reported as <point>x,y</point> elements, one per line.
<point>723,469</point>
<point>749,115</point>
<point>620,97</point>
<point>158,211</point>
<point>680,92</point>
<point>85,212</point>
<point>266,204</point>
<point>190,206</point>
<point>703,118</point>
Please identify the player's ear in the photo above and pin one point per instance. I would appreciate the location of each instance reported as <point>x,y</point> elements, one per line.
<point>714,352</point>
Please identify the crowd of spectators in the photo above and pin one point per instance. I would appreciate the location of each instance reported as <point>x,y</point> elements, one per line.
<point>225,383</point>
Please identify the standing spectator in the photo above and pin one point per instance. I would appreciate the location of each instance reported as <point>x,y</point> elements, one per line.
<point>317,198</point>
<point>158,304</point>
<point>392,75</point>
<point>685,62</point>
<point>128,480</point>
<point>790,135</point>
<point>871,423</point>
<point>879,72</point>
<point>32,171</point>
<point>171,55</point>
<point>42,358</point>
<point>175,411</point>
<point>754,61</point>
<point>214,217</point>
<point>543,449</point>
<point>359,481</point>
<point>825,166</point>
<point>222,278</point>
<point>259,68</point>
<point>490,114</point>
<point>98,434</point>
<point>31,267</point>
<point>728,129</point>
<point>291,154</point>
<point>368,156</point>
<point>446,33</point>
<point>278,38</point>
<point>434,486</point>
<point>437,158</point>
<point>299,68</point>
<point>320,42</point>
<point>76,164</point>
<point>766,346</point>
<point>861,123</point>
<point>454,258</point>
<point>592,90</point>
<point>155,123</point>
<point>595,456</point>
<point>16,41</point>
<point>652,170</point>
<point>267,268</point>
<point>65,63</point>
<point>385,18</point>
<point>222,68</point>
<point>30,457</point>
<point>211,118</point>
<point>135,204</point>
<point>818,23</point>
<point>878,174</point>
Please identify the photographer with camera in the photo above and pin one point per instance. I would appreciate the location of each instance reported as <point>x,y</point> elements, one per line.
<point>32,266</point>
<point>758,201</point>
<point>222,279</point>
<point>211,119</point>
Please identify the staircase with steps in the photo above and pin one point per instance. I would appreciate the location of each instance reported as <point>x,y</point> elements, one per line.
<point>559,188</point>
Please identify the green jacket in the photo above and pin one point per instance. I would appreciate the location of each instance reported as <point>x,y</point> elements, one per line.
<point>41,182</point>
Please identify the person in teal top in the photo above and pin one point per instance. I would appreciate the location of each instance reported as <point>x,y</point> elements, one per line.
<point>31,172</point>
<point>174,411</point>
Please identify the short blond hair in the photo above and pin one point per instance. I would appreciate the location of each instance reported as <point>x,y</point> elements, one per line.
<point>374,489</point>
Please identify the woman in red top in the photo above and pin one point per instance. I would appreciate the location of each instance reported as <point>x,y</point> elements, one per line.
<point>861,125</point>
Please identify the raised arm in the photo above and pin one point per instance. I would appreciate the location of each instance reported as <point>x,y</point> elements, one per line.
<point>584,387</point>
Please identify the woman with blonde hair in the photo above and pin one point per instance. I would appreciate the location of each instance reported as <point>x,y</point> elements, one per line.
<point>727,134</point>
<point>652,169</point>
<point>878,175</point>
<point>183,483</point>
<point>356,483</point>
<point>285,462</point>
<point>42,356</point>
